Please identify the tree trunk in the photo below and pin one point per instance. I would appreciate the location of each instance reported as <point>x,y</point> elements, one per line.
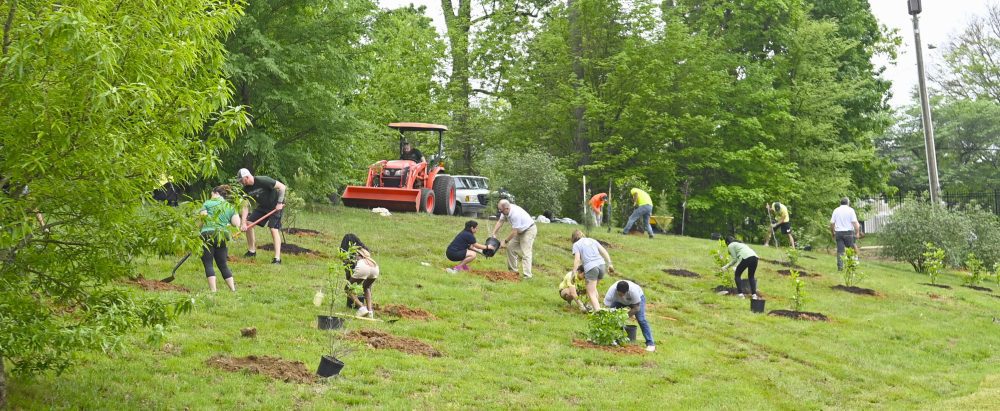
<point>580,141</point>
<point>458,25</point>
<point>3,385</point>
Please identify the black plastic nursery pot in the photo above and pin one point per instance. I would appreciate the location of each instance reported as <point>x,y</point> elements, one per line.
<point>326,322</point>
<point>329,366</point>
<point>492,241</point>
<point>757,306</point>
<point>630,330</point>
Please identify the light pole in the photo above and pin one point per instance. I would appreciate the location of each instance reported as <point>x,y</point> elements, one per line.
<point>925,107</point>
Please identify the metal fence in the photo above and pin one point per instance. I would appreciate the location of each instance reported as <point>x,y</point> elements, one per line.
<point>875,212</point>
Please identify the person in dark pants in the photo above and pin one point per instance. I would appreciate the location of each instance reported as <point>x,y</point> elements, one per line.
<point>361,269</point>
<point>218,215</point>
<point>744,259</point>
<point>625,293</point>
<point>269,194</point>
<point>463,248</point>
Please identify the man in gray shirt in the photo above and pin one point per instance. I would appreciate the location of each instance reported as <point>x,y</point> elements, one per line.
<point>625,293</point>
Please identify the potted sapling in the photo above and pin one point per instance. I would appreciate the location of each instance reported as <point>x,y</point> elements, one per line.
<point>331,364</point>
<point>331,321</point>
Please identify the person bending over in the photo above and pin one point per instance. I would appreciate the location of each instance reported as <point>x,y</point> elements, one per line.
<point>595,262</point>
<point>269,194</point>
<point>361,269</point>
<point>219,214</point>
<point>625,293</point>
<point>743,258</point>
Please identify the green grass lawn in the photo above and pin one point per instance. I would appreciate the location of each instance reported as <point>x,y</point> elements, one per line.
<point>509,344</point>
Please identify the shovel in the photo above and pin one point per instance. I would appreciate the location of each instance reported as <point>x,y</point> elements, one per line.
<point>188,255</point>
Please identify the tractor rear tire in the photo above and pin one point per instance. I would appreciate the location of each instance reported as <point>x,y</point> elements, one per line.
<point>444,192</point>
<point>426,200</point>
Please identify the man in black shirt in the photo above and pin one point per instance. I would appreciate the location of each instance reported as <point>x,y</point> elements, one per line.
<point>412,154</point>
<point>268,194</point>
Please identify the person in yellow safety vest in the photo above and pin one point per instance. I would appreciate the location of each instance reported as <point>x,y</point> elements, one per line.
<point>643,209</point>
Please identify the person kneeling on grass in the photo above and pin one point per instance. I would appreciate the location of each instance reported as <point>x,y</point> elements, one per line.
<point>625,293</point>
<point>463,248</point>
<point>361,269</point>
<point>218,215</point>
<point>743,258</point>
<point>568,288</point>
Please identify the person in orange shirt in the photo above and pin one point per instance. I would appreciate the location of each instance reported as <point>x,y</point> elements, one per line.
<point>597,206</point>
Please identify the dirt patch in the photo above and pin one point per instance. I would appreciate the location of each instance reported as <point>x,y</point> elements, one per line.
<point>681,272</point>
<point>305,232</point>
<point>402,311</point>
<point>289,248</point>
<point>155,285</point>
<point>276,368</point>
<point>947,287</point>
<point>621,349</point>
<point>799,315</point>
<point>935,296</point>
<point>496,276</point>
<point>782,263</point>
<point>978,288</point>
<point>606,244</point>
<point>857,290</point>
<point>249,332</point>
<point>801,273</point>
<point>380,341</point>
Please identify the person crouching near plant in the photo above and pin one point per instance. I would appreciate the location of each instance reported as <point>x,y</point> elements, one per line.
<point>743,258</point>
<point>361,269</point>
<point>568,288</point>
<point>463,248</point>
<point>591,257</point>
<point>218,215</point>
<point>624,293</point>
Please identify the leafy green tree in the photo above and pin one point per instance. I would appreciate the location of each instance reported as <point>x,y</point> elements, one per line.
<point>295,65</point>
<point>528,175</point>
<point>98,100</point>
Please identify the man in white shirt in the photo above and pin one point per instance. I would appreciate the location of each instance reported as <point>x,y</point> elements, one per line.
<point>522,236</point>
<point>845,229</point>
<point>625,293</point>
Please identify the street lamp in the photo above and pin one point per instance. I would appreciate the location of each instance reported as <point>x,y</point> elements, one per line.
<point>925,107</point>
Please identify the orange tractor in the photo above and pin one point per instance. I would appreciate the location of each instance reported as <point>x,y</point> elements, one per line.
<point>406,185</point>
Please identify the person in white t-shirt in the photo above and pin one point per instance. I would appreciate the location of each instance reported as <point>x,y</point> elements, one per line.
<point>521,239</point>
<point>590,256</point>
<point>845,229</point>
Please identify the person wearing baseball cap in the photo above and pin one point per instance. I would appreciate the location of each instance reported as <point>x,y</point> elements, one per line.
<point>269,195</point>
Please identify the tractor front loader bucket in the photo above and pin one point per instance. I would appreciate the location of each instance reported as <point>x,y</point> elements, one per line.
<point>396,199</point>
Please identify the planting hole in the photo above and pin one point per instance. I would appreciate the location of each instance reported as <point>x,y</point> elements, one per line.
<point>381,341</point>
<point>273,367</point>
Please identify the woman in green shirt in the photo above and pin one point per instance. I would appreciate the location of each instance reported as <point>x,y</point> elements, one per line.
<point>218,215</point>
<point>743,258</point>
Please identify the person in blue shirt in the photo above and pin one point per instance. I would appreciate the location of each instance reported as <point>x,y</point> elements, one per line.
<point>463,248</point>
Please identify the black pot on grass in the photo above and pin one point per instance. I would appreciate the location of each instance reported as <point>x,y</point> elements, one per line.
<point>329,366</point>
<point>757,306</point>
<point>326,322</point>
<point>630,330</point>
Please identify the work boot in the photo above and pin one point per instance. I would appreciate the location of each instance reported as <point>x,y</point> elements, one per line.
<point>275,261</point>
<point>250,254</point>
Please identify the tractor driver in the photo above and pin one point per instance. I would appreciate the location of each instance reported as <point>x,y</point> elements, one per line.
<point>412,154</point>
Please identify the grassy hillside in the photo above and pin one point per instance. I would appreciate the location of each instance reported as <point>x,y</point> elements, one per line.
<point>509,344</point>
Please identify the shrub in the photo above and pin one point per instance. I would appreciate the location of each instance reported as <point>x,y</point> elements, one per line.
<point>530,175</point>
<point>933,261</point>
<point>851,274</point>
<point>720,256</point>
<point>976,271</point>
<point>607,327</point>
<point>294,205</point>
<point>983,238</point>
<point>793,256</point>
<point>916,221</point>
<point>799,297</point>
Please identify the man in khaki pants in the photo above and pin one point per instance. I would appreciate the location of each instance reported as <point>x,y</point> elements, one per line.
<point>521,238</point>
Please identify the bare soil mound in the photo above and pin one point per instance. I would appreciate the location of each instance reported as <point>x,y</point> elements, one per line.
<point>606,244</point>
<point>978,288</point>
<point>947,287</point>
<point>380,341</point>
<point>782,263</point>
<point>621,349</point>
<point>276,368</point>
<point>856,290</point>
<point>680,272</point>
<point>496,276</point>
<point>289,248</point>
<point>801,273</point>
<point>305,232</point>
<point>799,315</point>
<point>402,311</point>
<point>155,285</point>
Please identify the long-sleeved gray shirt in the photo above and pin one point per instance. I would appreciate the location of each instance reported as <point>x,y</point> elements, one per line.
<point>632,297</point>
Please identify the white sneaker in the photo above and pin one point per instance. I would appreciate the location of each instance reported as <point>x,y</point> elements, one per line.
<point>450,270</point>
<point>650,348</point>
<point>528,276</point>
<point>371,314</point>
<point>756,297</point>
<point>741,295</point>
<point>362,311</point>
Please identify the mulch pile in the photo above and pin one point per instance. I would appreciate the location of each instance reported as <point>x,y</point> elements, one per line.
<point>289,248</point>
<point>155,285</point>
<point>801,273</point>
<point>305,232</point>
<point>857,290</point>
<point>380,341</point>
<point>938,285</point>
<point>799,315</point>
<point>402,311</point>
<point>621,349</point>
<point>495,276</point>
<point>978,288</point>
<point>681,272</point>
<point>276,368</point>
